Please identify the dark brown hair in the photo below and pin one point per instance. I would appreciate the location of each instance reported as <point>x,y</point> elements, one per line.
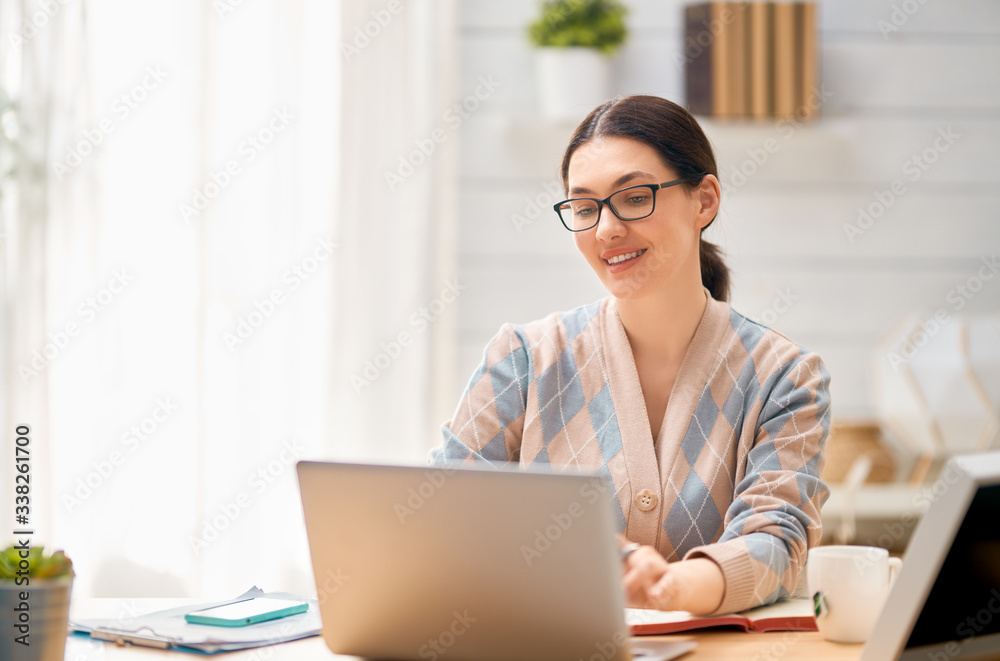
<point>680,142</point>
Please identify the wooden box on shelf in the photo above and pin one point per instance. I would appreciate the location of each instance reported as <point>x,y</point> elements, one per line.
<point>751,59</point>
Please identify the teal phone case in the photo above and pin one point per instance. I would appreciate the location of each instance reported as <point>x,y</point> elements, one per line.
<point>195,618</point>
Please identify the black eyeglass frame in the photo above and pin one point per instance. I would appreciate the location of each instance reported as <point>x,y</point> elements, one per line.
<point>607,201</point>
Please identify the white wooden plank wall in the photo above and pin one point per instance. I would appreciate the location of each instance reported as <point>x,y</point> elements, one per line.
<point>783,228</point>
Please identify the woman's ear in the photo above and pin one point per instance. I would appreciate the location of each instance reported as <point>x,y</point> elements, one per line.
<point>709,196</point>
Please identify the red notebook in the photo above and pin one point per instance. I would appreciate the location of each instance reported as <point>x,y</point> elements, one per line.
<point>788,615</point>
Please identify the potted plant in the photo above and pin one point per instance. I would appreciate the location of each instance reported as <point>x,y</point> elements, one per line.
<point>576,40</point>
<point>8,144</point>
<point>34,603</point>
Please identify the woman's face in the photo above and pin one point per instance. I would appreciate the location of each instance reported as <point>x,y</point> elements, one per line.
<point>660,250</point>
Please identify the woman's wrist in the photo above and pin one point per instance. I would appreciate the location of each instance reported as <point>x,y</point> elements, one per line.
<point>702,585</point>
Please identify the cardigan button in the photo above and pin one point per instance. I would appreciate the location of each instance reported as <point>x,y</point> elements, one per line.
<point>646,500</point>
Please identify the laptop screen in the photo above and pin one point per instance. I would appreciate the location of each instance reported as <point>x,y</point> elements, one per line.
<point>964,603</point>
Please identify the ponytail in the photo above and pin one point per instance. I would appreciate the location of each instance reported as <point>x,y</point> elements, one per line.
<point>714,272</point>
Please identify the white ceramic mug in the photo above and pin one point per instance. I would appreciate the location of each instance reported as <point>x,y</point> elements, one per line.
<point>849,586</point>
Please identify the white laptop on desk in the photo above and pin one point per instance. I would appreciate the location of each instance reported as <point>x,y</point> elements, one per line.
<point>945,603</point>
<point>469,564</point>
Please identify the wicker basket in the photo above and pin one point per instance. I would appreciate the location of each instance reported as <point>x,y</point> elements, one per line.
<point>851,440</point>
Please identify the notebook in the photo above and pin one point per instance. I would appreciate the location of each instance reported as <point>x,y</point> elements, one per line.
<point>787,615</point>
<point>470,563</point>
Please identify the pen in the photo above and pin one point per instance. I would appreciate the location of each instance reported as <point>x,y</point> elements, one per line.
<point>628,550</point>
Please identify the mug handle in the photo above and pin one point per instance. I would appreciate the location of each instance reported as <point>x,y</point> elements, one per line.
<point>895,564</point>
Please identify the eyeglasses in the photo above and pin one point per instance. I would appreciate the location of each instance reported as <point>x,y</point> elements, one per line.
<point>583,213</point>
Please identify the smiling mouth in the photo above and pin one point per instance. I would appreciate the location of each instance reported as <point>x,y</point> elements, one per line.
<point>618,259</point>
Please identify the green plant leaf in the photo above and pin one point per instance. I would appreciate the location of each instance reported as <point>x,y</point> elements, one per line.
<point>56,565</point>
<point>598,24</point>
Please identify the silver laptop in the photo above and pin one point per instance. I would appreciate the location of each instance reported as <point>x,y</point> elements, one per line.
<point>467,563</point>
<point>945,603</point>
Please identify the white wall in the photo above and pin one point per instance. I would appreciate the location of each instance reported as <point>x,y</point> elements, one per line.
<point>783,229</point>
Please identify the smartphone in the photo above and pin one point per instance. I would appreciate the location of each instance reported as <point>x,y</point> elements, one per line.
<point>248,611</point>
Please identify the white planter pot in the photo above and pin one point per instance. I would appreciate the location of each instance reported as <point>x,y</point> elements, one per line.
<point>48,624</point>
<point>572,82</point>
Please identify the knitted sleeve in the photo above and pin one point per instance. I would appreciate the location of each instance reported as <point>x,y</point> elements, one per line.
<point>489,419</point>
<point>775,515</point>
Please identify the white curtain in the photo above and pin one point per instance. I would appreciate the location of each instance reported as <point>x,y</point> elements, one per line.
<point>196,247</point>
<point>394,357</point>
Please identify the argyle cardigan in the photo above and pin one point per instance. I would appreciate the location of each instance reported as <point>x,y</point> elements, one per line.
<point>734,474</point>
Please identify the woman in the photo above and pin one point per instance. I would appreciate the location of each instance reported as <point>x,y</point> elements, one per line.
<point>710,426</point>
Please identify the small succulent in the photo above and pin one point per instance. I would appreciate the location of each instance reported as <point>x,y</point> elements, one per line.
<point>40,565</point>
<point>9,133</point>
<point>596,24</point>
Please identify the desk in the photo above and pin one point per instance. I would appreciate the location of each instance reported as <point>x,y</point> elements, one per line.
<point>712,646</point>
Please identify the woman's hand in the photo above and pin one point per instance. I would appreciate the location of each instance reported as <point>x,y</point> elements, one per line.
<point>695,585</point>
<point>650,582</point>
